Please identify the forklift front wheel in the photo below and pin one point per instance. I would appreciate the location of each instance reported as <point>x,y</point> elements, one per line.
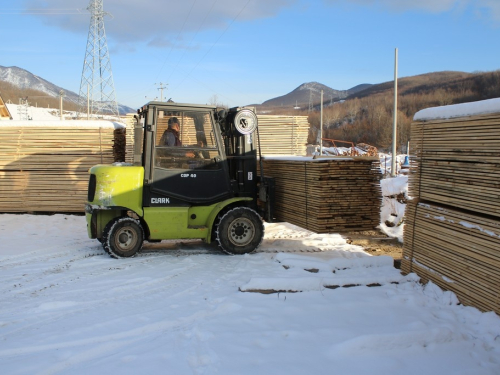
<point>123,237</point>
<point>240,231</point>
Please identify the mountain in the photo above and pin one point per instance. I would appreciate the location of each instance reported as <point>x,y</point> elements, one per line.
<point>423,83</point>
<point>25,80</point>
<point>301,96</point>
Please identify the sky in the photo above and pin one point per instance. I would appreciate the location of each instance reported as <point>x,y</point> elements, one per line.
<point>240,52</point>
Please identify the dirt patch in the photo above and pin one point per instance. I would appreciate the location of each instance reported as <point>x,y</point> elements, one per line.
<point>377,243</point>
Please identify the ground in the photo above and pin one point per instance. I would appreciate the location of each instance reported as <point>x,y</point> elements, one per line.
<point>375,242</point>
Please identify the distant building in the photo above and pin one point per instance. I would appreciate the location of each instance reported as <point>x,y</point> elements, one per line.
<point>4,111</point>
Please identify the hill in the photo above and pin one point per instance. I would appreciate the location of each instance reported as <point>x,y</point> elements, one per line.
<point>366,116</point>
<point>18,83</point>
<point>301,96</point>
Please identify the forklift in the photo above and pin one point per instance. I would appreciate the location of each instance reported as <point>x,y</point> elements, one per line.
<point>207,186</point>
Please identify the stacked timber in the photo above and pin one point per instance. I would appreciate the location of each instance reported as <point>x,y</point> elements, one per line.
<point>327,195</point>
<point>44,165</point>
<point>452,230</point>
<point>458,162</point>
<point>457,250</point>
<point>129,122</point>
<point>283,135</point>
<point>279,135</point>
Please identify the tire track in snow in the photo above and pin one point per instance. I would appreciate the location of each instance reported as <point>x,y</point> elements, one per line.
<point>42,254</point>
<point>120,339</point>
<point>132,293</point>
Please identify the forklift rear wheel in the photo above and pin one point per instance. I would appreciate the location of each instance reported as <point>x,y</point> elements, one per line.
<point>240,231</point>
<point>123,237</point>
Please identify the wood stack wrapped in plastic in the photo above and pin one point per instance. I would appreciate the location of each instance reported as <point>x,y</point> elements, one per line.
<point>44,165</point>
<point>327,195</point>
<point>452,231</point>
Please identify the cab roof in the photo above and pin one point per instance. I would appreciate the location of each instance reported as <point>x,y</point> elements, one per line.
<point>180,105</point>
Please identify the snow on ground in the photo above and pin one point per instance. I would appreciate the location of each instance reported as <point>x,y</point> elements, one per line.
<point>37,113</point>
<point>386,164</point>
<point>22,113</point>
<point>66,307</point>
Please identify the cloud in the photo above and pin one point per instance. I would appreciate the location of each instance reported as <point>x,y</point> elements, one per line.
<point>488,8</point>
<point>491,8</point>
<point>155,21</point>
<point>403,5</point>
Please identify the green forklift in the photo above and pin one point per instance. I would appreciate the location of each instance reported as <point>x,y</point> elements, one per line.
<point>205,186</point>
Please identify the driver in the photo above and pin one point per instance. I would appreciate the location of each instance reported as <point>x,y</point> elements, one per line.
<point>171,136</point>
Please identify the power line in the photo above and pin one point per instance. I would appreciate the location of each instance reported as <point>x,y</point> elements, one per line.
<point>43,11</point>
<point>212,46</point>
<point>192,39</point>
<point>177,37</point>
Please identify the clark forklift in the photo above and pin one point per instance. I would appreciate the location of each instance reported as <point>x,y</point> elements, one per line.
<point>206,187</point>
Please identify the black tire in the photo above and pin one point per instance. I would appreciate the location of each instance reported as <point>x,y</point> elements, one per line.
<point>123,237</point>
<point>240,231</point>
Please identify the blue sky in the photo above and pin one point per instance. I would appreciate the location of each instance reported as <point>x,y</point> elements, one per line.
<point>248,51</point>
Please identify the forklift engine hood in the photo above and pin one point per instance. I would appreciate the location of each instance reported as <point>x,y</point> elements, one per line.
<point>116,185</point>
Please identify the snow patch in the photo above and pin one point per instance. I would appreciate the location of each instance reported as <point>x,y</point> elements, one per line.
<point>482,107</point>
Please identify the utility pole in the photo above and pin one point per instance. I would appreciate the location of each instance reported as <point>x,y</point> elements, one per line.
<point>395,116</point>
<point>321,128</point>
<point>161,90</point>
<point>310,101</point>
<point>61,95</point>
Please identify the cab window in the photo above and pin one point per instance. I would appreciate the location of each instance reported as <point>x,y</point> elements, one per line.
<point>185,140</point>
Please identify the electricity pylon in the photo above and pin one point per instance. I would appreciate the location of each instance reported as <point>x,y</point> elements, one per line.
<point>310,101</point>
<point>97,90</point>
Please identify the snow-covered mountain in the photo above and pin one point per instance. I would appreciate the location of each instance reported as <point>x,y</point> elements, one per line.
<point>24,79</point>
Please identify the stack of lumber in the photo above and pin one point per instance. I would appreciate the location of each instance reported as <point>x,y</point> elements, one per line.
<point>283,135</point>
<point>129,122</point>
<point>44,165</point>
<point>279,135</point>
<point>457,250</point>
<point>458,162</point>
<point>331,195</point>
<point>452,231</point>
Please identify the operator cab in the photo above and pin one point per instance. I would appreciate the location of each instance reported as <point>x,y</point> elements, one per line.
<point>213,160</point>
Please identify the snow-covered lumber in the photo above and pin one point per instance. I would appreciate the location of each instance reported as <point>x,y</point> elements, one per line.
<point>452,231</point>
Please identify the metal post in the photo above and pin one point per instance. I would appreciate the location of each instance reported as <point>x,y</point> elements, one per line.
<point>61,94</point>
<point>321,127</point>
<point>161,90</point>
<point>395,116</point>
